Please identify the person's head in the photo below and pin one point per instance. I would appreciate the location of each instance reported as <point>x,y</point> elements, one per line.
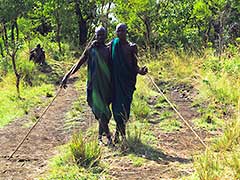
<point>101,34</point>
<point>121,31</point>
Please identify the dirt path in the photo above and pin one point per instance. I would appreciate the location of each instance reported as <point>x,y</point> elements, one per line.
<point>171,156</point>
<point>31,159</point>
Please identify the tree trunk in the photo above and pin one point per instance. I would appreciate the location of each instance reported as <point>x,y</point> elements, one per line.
<point>1,50</point>
<point>12,33</point>
<point>220,35</point>
<point>18,77</point>
<point>207,33</point>
<point>104,16</point>
<point>17,31</point>
<point>13,54</point>
<point>58,33</point>
<point>82,24</point>
<point>5,37</point>
<point>147,23</point>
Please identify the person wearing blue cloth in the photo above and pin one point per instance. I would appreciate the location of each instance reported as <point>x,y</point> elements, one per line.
<point>124,72</point>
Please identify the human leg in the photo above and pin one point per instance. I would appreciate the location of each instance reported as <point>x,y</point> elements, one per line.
<point>100,133</point>
<point>103,126</point>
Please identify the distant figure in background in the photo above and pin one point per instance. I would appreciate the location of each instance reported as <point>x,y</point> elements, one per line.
<point>38,55</point>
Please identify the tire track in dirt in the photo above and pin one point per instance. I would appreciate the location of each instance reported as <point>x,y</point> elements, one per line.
<point>31,159</point>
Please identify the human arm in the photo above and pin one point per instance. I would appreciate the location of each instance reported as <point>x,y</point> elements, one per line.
<point>74,69</point>
<point>139,70</point>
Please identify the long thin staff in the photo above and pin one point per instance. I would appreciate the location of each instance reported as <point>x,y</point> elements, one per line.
<point>169,102</point>
<point>45,110</point>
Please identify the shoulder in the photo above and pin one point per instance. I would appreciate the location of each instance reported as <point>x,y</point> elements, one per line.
<point>109,44</point>
<point>93,44</point>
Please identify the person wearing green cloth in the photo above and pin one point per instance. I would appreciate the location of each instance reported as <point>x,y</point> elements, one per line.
<point>124,71</point>
<point>99,88</point>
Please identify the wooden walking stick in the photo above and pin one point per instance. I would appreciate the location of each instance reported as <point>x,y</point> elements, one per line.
<point>45,110</point>
<point>178,113</point>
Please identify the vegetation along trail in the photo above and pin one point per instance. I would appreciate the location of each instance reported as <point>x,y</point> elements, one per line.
<point>31,158</point>
<point>167,146</point>
<point>164,157</point>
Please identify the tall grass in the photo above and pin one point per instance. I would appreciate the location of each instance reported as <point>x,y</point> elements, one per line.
<point>207,166</point>
<point>217,83</point>
<point>86,152</point>
<point>170,66</point>
<point>36,82</point>
<point>140,106</point>
<point>12,107</point>
<point>222,159</point>
<point>220,79</point>
<point>79,159</point>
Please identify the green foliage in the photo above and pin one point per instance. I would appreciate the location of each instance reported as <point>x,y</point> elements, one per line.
<point>207,166</point>
<point>162,103</point>
<point>62,167</point>
<point>137,161</point>
<point>208,122</point>
<point>230,138</point>
<point>201,10</point>
<point>12,107</point>
<point>223,87</point>
<point>170,125</point>
<point>134,136</point>
<point>86,152</point>
<point>28,71</point>
<point>4,66</point>
<point>173,67</point>
<point>140,107</point>
<point>235,165</point>
<point>211,117</point>
<point>154,25</point>
<point>222,158</point>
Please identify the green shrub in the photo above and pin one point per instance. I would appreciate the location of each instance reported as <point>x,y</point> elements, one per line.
<point>207,166</point>
<point>230,138</point>
<point>86,151</point>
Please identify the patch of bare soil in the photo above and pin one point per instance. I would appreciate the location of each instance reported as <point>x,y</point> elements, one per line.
<point>171,158</point>
<point>31,159</point>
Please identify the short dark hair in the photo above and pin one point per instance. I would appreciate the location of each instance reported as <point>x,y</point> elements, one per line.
<point>100,28</point>
<point>122,25</point>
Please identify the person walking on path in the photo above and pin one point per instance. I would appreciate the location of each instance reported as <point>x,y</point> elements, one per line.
<point>99,86</point>
<point>124,72</point>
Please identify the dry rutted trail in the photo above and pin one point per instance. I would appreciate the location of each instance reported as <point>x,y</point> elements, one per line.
<point>165,155</point>
<point>31,159</point>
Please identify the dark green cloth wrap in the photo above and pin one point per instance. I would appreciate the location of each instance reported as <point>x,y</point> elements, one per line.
<point>99,85</point>
<point>124,80</point>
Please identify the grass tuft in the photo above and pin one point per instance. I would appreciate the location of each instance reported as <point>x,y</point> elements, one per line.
<point>86,152</point>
